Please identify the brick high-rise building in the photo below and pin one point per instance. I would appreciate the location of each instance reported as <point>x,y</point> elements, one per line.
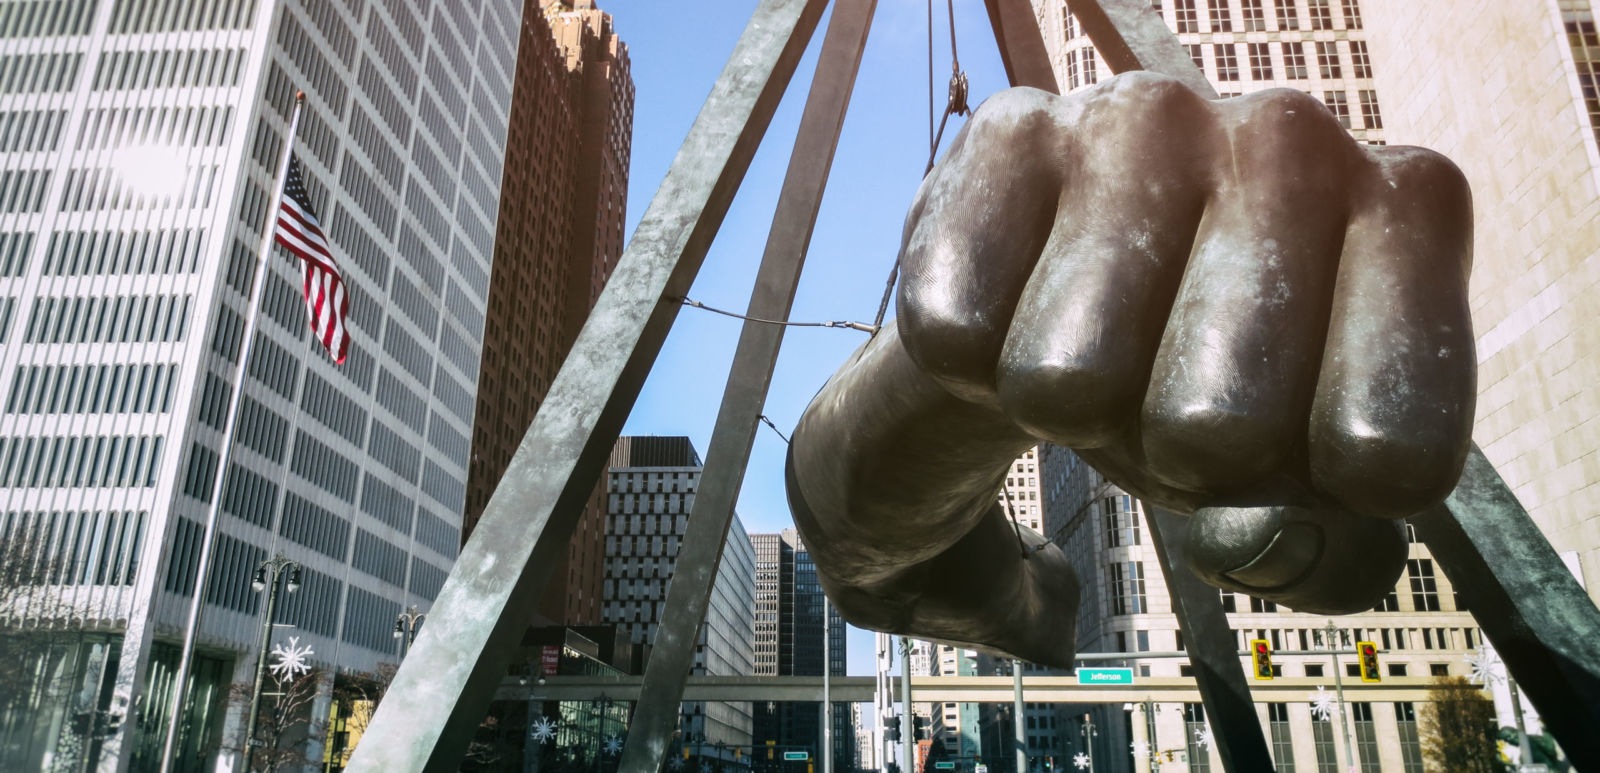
<point>560,234</point>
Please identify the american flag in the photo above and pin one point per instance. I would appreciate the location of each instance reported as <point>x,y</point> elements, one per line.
<point>298,230</point>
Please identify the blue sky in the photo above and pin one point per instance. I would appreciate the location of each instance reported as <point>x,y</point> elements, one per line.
<point>677,51</point>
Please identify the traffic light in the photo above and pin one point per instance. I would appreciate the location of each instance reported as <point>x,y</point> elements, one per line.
<point>891,728</point>
<point>1049,763</point>
<point>923,728</point>
<point>1261,657</point>
<point>737,753</point>
<point>686,752</point>
<point>1368,652</point>
<point>770,748</point>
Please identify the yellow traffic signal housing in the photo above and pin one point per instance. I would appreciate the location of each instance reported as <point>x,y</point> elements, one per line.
<point>770,749</point>
<point>1261,658</point>
<point>1368,654</point>
<point>737,752</point>
<point>686,752</point>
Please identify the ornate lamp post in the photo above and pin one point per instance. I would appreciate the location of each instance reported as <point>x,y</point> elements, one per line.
<point>406,625</point>
<point>267,575</point>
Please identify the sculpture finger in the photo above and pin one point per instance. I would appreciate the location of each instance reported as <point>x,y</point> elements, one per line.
<point>1392,418</point>
<point>1315,560</point>
<point>1232,383</point>
<point>1076,362</point>
<point>978,226</point>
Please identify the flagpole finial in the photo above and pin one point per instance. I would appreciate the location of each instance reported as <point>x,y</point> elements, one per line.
<point>299,96</point>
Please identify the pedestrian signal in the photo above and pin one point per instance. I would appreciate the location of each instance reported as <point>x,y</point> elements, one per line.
<point>1261,658</point>
<point>1368,653</point>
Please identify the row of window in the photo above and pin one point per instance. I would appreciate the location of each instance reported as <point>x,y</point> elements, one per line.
<point>171,126</point>
<point>45,18</point>
<point>101,188</point>
<point>328,469</point>
<point>139,16</point>
<point>166,251</point>
<point>30,130</point>
<point>109,319</point>
<point>80,461</point>
<point>72,547</point>
<point>103,388</point>
<point>437,533</point>
<point>1252,15</point>
<point>22,190</point>
<point>35,73</point>
<point>379,558</point>
<point>445,488</point>
<point>387,504</point>
<point>1259,56</point>
<point>455,397</point>
<point>169,68</point>
<point>369,620</point>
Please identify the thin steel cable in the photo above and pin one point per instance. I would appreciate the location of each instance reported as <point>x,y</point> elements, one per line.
<point>774,427</point>
<point>863,327</point>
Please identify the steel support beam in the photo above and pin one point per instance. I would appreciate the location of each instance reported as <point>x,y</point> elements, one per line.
<point>1213,649</point>
<point>689,594</point>
<point>1539,618</point>
<point>1022,50</point>
<point>451,675</point>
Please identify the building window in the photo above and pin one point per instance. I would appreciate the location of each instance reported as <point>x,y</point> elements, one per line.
<point>1424,588</point>
<point>1405,720</point>
<point>1255,20</point>
<point>1328,59</point>
<point>1089,77</point>
<point>1260,62</point>
<point>1228,602</point>
<point>1369,108</point>
<point>1397,669</point>
<point>1321,14</point>
<point>1184,14</point>
<point>1294,61</point>
<point>1127,588</point>
<point>1585,42</point>
<point>1438,669</point>
<point>1227,63</point>
<point>1194,722</point>
<point>1121,520</point>
<point>1340,105</point>
<point>1352,14</point>
<point>1322,741</point>
<point>1390,603</point>
<point>1220,20</point>
<point>1287,18</point>
<point>1262,605</point>
<point>1197,53</point>
<point>1073,80</point>
<point>1366,737</point>
<point>1282,738</point>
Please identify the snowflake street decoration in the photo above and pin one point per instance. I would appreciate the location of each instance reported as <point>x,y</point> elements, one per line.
<point>1485,665</point>
<point>674,764</point>
<point>543,730</point>
<point>293,660</point>
<point>1203,737</point>
<point>1324,704</point>
<point>1081,762</point>
<point>705,767</point>
<point>612,746</point>
<point>1140,748</point>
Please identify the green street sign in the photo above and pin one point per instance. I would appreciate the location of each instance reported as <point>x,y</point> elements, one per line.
<point>946,765</point>
<point>1105,676</point>
<point>802,756</point>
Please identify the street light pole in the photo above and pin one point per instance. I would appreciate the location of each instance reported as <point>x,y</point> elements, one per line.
<point>907,735</point>
<point>267,575</point>
<point>1331,632</point>
<point>1019,733</point>
<point>405,628</point>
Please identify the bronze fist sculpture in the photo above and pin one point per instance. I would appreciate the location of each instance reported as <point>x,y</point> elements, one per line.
<point>1230,309</point>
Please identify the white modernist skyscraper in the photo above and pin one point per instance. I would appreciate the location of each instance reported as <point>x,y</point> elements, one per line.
<point>137,140</point>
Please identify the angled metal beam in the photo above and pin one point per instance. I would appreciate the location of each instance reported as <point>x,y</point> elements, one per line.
<point>451,674</point>
<point>1213,649</point>
<point>1539,618</point>
<point>689,594</point>
<point>1130,35</point>
<point>1022,51</point>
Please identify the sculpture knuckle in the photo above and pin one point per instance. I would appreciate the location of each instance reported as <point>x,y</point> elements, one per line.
<point>1079,401</point>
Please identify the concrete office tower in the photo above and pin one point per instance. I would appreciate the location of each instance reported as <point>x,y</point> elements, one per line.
<point>789,642</point>
<point>560,234</point>
<point>1420,628</point>
<point>650,490</point>
<point>1525,137</point>
<point>135,177</point>
<point>1315,46</point>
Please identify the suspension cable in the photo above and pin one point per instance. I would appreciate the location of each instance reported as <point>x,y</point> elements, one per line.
<point>862,326</point>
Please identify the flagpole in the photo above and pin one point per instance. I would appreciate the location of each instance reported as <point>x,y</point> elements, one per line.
<point>181,677</point>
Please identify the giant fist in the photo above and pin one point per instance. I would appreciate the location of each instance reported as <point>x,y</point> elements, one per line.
<point>1230,309</point>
